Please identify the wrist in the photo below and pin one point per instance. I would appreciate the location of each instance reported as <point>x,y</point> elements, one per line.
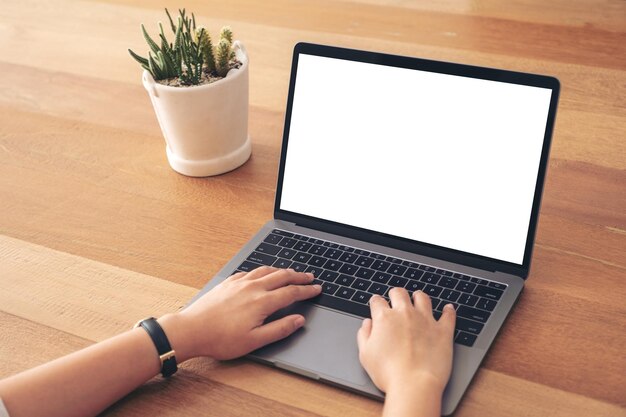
<point>178,335</point>
<point>417,382</point>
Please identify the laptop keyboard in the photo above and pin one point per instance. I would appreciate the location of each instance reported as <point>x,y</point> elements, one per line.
<point>350,276</point>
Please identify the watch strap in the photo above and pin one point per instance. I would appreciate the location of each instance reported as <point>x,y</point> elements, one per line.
<point>167,355</point>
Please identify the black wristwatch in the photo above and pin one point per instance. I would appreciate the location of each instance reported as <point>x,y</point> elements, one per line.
<point>167,355</point>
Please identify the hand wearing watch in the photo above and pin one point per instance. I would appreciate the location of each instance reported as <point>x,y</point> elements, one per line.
<point>167,355</point>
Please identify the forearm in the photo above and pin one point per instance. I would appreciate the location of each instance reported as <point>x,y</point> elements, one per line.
<point>415,398</point>
<point>85,382</point>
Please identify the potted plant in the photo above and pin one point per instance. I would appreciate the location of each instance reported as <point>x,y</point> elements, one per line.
<point>200,96</point>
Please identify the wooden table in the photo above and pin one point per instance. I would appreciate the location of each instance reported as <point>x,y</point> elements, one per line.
<point>96,231</point>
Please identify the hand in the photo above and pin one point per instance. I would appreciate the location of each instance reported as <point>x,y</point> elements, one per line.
<point>416,348</point>
<point>227,322</point>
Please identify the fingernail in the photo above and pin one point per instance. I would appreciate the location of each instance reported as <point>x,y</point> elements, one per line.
<point>317,287</point>
<point>310,275</point>
<point>299,322</point>
<point>449,306</point>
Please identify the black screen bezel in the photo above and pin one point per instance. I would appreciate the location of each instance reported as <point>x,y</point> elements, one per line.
<point>405,244</point>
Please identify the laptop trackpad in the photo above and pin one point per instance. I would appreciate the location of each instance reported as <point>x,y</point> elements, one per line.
<point>324,348</point>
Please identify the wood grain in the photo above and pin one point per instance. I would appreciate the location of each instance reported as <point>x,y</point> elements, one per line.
<point>96,230</point>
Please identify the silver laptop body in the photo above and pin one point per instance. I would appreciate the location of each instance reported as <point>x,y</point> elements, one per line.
<point>429,166</point>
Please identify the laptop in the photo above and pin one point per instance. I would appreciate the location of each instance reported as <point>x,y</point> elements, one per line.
<point>402,172</point>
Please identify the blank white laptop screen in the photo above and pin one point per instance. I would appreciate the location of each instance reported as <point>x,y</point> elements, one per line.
<point>442,159</point>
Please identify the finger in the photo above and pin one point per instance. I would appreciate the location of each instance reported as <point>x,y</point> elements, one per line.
<point>448,318</point>
<point>238,275</point>
<point>260,272</point>
<point>399,298</point>
<point>364,333</point>
<point>422,303</point>
<point>284,296</point>
<point>377,305</point>
<point>276,330</point>
<point>283,277</point>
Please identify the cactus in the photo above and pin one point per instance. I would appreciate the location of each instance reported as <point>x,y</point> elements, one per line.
<point>223,57</point>
<point>191,54</point>
<point>203,37</point>
<point>227,33</point>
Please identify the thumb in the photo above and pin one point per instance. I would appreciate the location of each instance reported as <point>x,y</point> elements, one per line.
<point>364,333</point>
<point>276,330</point>
<point>448,318</point>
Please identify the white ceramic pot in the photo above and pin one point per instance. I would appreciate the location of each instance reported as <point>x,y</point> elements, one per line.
<point>206,126</point>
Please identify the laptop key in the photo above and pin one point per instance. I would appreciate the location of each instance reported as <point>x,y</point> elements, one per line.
<point>317,250</point>
<point>298,267</point>
<point>488,292</point>
<point>273,239</point>
<point>341,304</point>
<point>314,270</point>
<point>380,265</point>
<point>497,285</point>
<point>479,281</point>
<point>466,286</point>
<point>381,277</point>
<point>348,257</point>
<point>485,304</point>
<point>413,273</point>
<point>248,266</point>
<point>365,273</point>
<point>468,325</point>
<point>394,260</point>
<point>433,291</point>
<point>287,242</point>
<point>413,285</point>
<point>333,265</point>
<point>448,282</point>
<point>281,263</point>
<point>343,279</point>
<point>444,272</point>
<point>329,288</point>
<point>361,252</point>
<point>378,256</point>
<point>430,278</point>
<point>468,299</point>
<point>328,276</point>
<point>473,313</point>
<point>317,261</point>
<point>287,253</point>
<point>345,292</point>
<point>377,288</point>
<point>348,269</point>
<point>361,284</point>
<point>361,297</point>
<point>282,233</point>
<point>397,281</point>
<point>262,258</point>
<point>450,295</point>
<point>397,269</point>
<point>466,339</point>
<point>303,246</point>
<point>302,257</point>
<point>267,248</point>
<point>364,261</point>
<point>333,253</point>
